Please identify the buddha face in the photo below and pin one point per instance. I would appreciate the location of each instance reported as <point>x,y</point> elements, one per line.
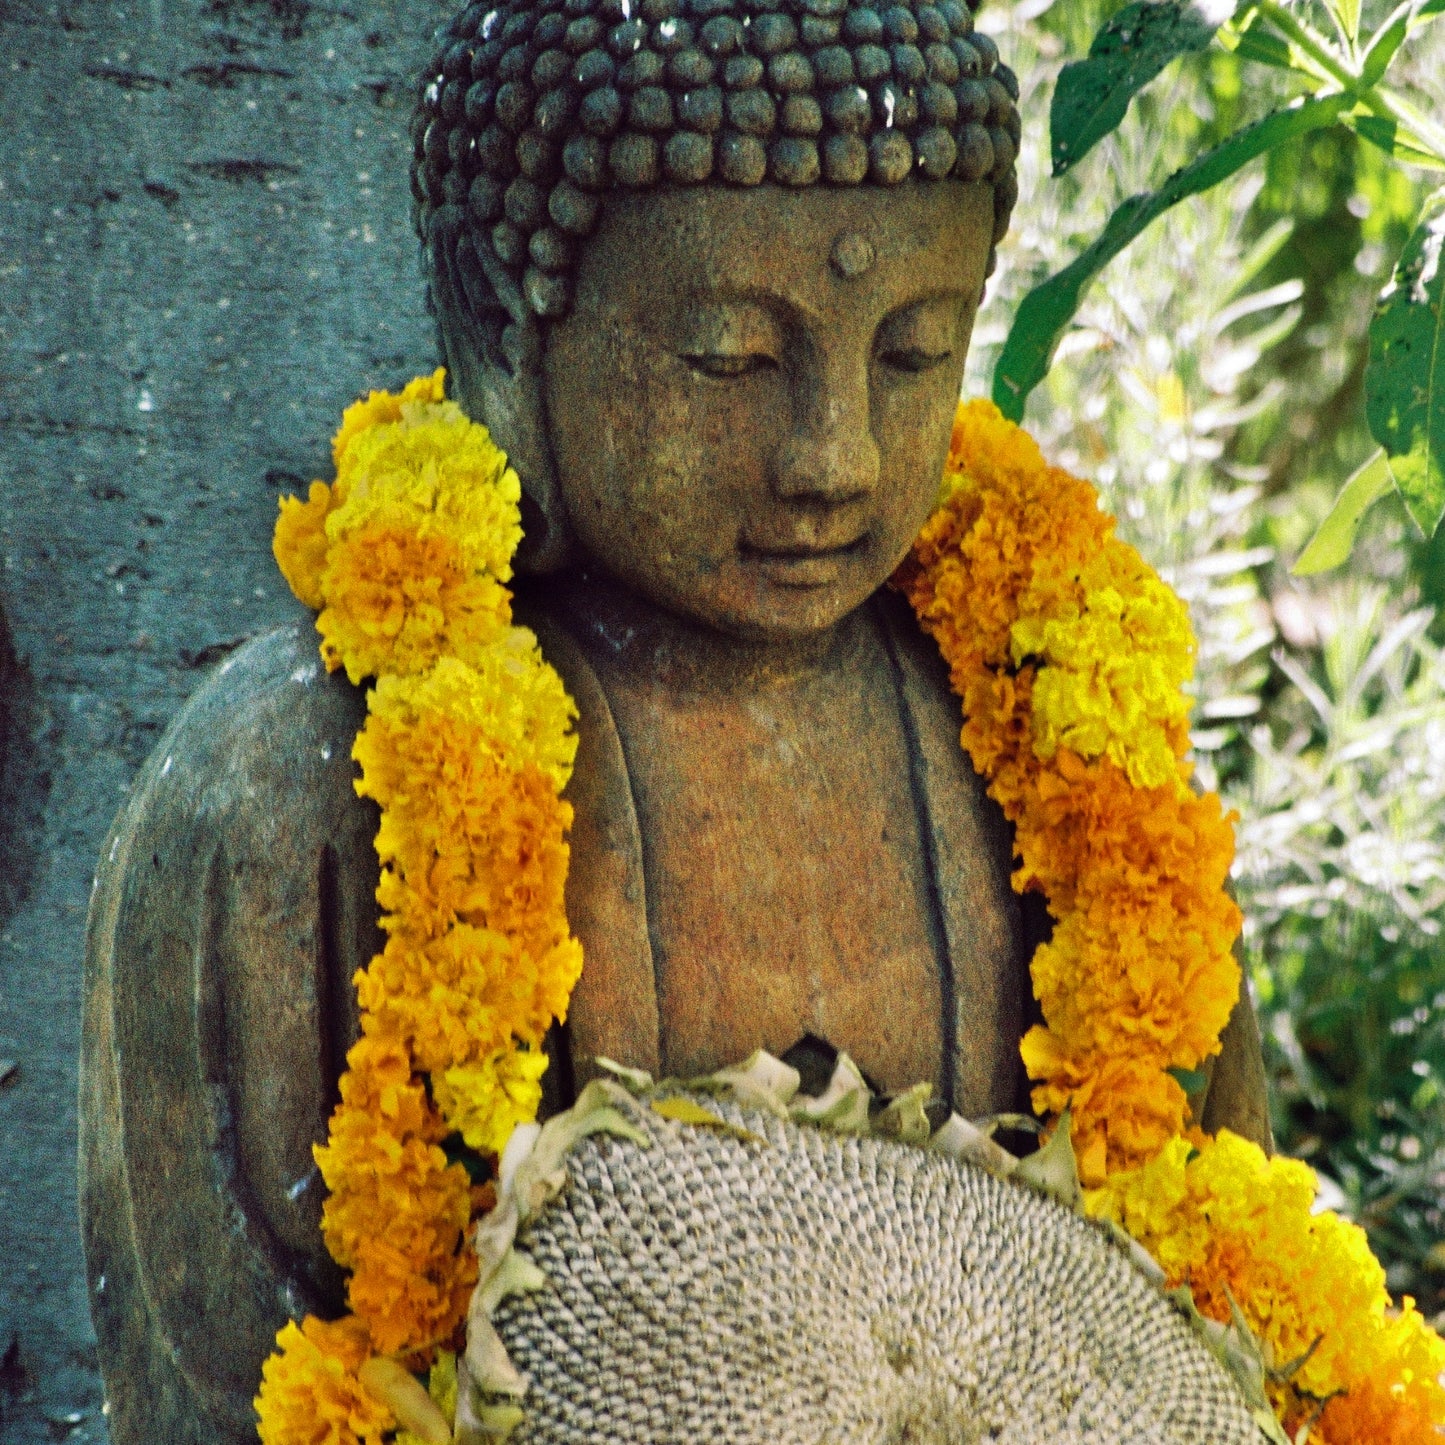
<point>750,402</point>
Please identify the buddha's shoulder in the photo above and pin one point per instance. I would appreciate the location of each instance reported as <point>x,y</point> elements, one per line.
<point>269,706</point>
<point>263,748</point>
<point>266,737</point>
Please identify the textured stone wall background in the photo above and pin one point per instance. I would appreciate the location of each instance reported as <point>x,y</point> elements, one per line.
<point>204,254</point>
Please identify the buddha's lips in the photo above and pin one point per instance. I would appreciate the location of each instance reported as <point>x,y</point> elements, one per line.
<point>799,564</point>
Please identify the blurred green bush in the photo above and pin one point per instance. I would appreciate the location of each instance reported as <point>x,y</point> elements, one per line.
<point>1211,387</point>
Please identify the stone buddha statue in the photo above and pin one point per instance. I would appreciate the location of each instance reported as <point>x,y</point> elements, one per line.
<point>708,270</point>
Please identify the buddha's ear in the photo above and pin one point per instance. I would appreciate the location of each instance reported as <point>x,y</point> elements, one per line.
<point>492,346</point>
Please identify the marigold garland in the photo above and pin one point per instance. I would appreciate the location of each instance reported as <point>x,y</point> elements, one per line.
<point>1069,655</point>
<point>1234,1225</point>
<point>466,749</point>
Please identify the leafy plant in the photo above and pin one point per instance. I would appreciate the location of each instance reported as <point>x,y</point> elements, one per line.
<point>1339,81</point>
<point>1210,384</point>
<point>1341,872</point>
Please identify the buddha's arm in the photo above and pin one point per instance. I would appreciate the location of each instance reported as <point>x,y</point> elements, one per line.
<point>232,906</point>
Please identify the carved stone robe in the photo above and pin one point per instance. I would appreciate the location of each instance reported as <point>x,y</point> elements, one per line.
<point>233,905</point>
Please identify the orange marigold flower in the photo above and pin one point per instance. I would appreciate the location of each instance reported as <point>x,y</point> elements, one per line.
<point>397,1214</point>
<point>309,1392</point>
<point>396,599</point>
<point>1123,1107</point>
<point>489,851</point>
<point>458,999</point>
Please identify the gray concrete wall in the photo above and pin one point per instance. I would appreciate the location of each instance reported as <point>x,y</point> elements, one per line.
<point>204,255</point>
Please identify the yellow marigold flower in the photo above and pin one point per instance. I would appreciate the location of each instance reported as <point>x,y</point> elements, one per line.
<point>444,472</point>
<point>397,1214</point>
<point>299,542</point>
<point>381,407</point>
<point>486,1100</point>
<point>1109,676</point>
<point>512,701</point>
<point>309,1392</point>
<point>1233,1224</point>
<point>457,999</point>
<point>420,546</point>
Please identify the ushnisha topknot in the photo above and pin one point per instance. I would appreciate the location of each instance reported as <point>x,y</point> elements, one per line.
<point>534,109</point>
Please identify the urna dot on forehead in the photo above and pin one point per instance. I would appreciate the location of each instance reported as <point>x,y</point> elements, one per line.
<point>533,111</point>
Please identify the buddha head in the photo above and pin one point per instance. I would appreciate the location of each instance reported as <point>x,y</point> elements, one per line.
<point>708,270</point>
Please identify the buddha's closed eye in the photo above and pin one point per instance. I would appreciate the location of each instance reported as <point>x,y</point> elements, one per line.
<point>725,366</point>
<point>914,359</point>
<point>919,338</point>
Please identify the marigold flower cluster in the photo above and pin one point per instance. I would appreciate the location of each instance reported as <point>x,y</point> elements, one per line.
<point>1069,655</point>
<point>466,749</point>
<point>310,1388</point>
<point>1234,1225</point>
<point>406,554</point>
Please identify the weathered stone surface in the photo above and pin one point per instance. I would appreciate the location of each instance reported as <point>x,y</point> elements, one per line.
<point>205,252</point>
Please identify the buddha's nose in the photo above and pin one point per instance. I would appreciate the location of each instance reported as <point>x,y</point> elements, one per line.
<point>830,454</point>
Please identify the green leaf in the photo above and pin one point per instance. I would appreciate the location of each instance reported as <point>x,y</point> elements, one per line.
<point>1259,255</point>
<point>1419,127</point>
<point>1335,540</point>
<point>1259,43</point>
<point>397,1388</point>
<point>635,1081</point>
<point>959,1139</point>
<point>905,1117</point>
<point>1405,378</point>
<point>761,1082</point>
<point>1385,42</point>
<point>518,1273</point>
<point>682,1110</point>
<point>1347,12</point>
<point>1048,308</point>
<point>1192,1081</point>
<point>1395,140</point>
<point>1093,95</point>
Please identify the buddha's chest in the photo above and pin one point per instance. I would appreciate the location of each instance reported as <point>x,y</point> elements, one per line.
<point>789,888</point>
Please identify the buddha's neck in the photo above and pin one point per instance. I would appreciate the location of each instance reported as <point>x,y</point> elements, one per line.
<point>651,644</point>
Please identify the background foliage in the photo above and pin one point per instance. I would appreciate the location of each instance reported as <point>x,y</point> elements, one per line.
<point>1212,385</point>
